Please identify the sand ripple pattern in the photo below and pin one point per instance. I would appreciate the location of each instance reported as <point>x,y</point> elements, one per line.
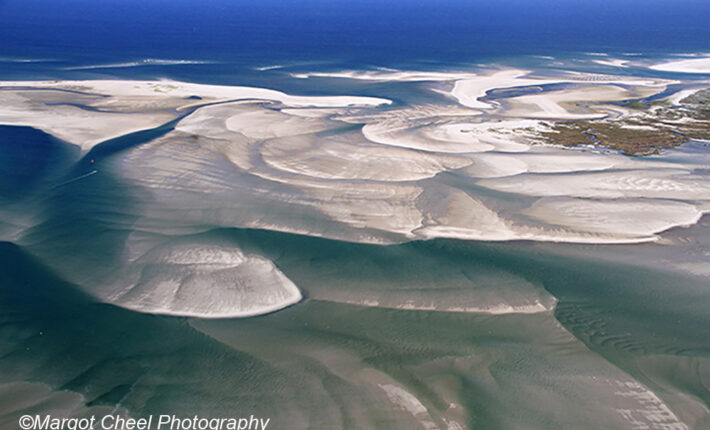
<point>359,169</point>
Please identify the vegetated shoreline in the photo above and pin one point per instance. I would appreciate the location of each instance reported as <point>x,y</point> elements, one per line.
<point>654,127</point>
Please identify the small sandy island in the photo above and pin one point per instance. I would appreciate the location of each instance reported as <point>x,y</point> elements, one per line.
<point>693,65</point>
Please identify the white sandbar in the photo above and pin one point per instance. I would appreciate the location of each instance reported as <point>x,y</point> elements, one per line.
<point>694,65</point>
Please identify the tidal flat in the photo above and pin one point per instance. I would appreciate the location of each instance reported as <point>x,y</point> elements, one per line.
<point>496,248</point>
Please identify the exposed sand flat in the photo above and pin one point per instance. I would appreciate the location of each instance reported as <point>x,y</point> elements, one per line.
<point>117,108</point>
<point>468,91</point>
<point>447,136</point>
<point>458,215</point>
<point>336,159</point>
<point>546,231</point>
<point>425,128</point>
<point>618,184</point>
<point>313,112</point>
<point>266,124</point>
<point>388,75</point>
<point>459,138</point>
<point>538,161</point>
<point>352,180</point>
<point>504,135</point>
<point>81,127</point>
<point>268,198</point>
<point>632,218</point>
<point>612,62</point>
<point>693,65</point>
<point>445,139</point>
<point>680,95</point>
<point>410,114</point>
<point>564,104</point>
<point>184,89</point>
<point>493,309</point>
<point>367,206</point>
<point>495,166</point>
<point>205,281</point>
<point>207,126</point>
<point>452,137</point>
<point>502,309</point>
<point>498,165</point>
<point>579,77</point>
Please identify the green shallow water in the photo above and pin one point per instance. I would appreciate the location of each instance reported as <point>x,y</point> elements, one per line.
<point>325,364</point>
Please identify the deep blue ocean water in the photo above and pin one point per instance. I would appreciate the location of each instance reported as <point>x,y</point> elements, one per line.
<point>241,35</point>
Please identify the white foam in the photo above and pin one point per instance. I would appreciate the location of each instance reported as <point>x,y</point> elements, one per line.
<point>140,63</point>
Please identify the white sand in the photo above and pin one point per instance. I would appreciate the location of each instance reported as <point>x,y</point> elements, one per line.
<point>340,160</point>
<point>502,309</point>
<point>612,62</point>
<point>184,89</point>
<point>650,408</point>
<point>420,127</point>
<point>680,95</point>
<point>508,135</point>
<point>468,91</point>
<point>267,124</point>
<point>445,139</point>
<point>564,104</point>
<point>204,281</point>
<point>83,128</point>
<point>355,182</point>
<point>383,185</point>
<point>536,161</point>
<point>648,183</point>
<point>694,65</point>
<point>388,75</point>
<point>633,218</point>
<point>494,309</point>
<point>154,102</point>
<point>460,216</point>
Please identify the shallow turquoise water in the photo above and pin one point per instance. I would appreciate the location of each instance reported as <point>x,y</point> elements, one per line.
<point>319,364</point>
